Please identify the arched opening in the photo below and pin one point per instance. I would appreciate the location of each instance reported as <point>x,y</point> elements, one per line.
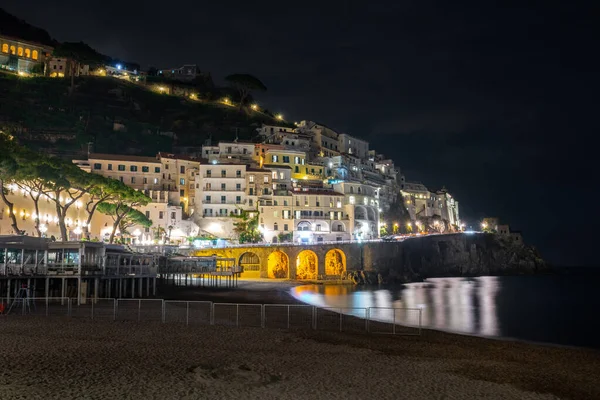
<point>27,53</point>
<point>249,262</point>
<point>371,213</point>
<point>337,226</point>
<point>34,55</point>
<point>13,50</point>
<point>306,265</point>
<point>278,265</point>
<point>335,262</point>
<point>360,213</point>
<point>20,51</point>
<point>5,48</point>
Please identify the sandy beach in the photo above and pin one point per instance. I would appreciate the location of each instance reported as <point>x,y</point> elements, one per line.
<point>62,358</point>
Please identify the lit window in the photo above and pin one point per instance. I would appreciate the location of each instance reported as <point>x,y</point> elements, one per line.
<point>133,168</point>
<point>182,181</point>
<point>34,55</point>
<point>13,50</point>
<point>274,175</point>
<point>352,200</point>
<point>155,181</point>
<point>251,179</point>
<point>27,53</point>
<point>274,158</point>
<point>20,52</point>
<point>5,48</point>
<point>266,179</point>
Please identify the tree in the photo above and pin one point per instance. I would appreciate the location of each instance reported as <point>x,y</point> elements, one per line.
<point>123,208</point>
<point>104,189</point>
<point>77,54</point>
<point>247,227</point>
<point>124,217</point>
<point>245,84</point>
<point>8,168</point>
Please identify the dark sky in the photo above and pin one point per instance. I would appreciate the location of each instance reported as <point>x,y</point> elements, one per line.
<point>496,101</point>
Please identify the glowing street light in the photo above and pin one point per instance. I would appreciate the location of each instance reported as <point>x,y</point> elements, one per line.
<point>227,101</point>
<point>279,117</point>
<point>254,107</point>
<point>484,225</point>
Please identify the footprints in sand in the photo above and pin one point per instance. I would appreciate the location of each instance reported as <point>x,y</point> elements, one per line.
<point>243,375</point>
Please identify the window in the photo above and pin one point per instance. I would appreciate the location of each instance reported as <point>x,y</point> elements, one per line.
<point>238,173</point>
<point>274,158</point>
<point>285,227</point>
<point>207,201</point>
<point>182,181</point>
<point>155,181</point>
<point>266,179</point>
<point>266,191</point>
<point>251,192</point>
<point>223,186</point>
<point>182,169</point>
<point>275,214</point>
<point>302,161</point>
<point>133,168</point>
<point>157,170</point>
<point>133,179</point>
<point>296,160</point>
<point>286,159</point>
<point>250,202</point>
<point>160,215</point>
<point>121,167</point>
<point>145,169</point>
<point>318,228</point>
<point>34,55</point>
<point>181,192</point>
<point>109,167</point>
<point>223,199</point>
<point>281,175</point>
<point>208,173</point>
<point>147,214</point>
<point>121,178</point>
<point>352,200</point>
<point>173,215</point>
<point>97,166</point>
<point>27,53</point>
<point>166,166</point>
<point>13,50</point>
<point>238,186</point>
<point>223,173</point>
<point>238,199</point>
<point>20,52</point>
<point>251,179</point>
<point>5,48</point>
<point>296,169</point>
<point>275,227</point>
<point>145,180</point>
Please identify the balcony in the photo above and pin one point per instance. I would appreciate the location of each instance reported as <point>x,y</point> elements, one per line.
<point>211,189</point>
<point>234,202</point>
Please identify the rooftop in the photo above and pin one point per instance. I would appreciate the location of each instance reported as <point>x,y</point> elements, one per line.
<point>316,192</point>
<point>122,157</point>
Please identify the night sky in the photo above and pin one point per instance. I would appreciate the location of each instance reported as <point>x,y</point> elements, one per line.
<point>497,103</point>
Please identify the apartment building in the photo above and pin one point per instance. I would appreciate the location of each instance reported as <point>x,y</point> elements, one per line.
<point>233,152</point>
<point>319,216</point>
<point>221,194</point>
<point>361,204</point>
<point>138,172</point>
<point>179,175</point>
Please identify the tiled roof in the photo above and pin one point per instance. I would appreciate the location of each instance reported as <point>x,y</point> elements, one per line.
<point>122,157</point>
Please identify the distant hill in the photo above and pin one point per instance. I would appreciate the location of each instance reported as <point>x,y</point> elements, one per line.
<point>15,27</point>
<point>117,116</point>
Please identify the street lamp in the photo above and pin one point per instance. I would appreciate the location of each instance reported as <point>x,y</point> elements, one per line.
<point>254,107</point>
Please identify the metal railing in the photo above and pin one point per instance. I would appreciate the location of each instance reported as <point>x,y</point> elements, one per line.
<point>376,320</point>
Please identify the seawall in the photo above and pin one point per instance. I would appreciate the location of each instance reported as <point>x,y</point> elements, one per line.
<point>410,260</point>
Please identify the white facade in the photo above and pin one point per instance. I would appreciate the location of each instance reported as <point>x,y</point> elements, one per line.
<point>319,216</point>
<point>352,145</point>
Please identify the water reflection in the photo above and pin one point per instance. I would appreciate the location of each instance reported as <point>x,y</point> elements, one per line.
<point>455,304</point>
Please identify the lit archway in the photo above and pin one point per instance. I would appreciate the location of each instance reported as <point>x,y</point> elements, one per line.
<point>278,265</point>
<point>249,262</point>
<point>307,265</point>
<point>335,262</point>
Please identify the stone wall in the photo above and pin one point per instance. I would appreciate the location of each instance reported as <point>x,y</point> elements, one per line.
<point>411,260</point>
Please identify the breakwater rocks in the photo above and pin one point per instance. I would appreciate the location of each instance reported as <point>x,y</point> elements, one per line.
<point>446,255</point>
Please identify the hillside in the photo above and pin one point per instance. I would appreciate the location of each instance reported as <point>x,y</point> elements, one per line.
<point>40,114</point>
<point>15,27</point>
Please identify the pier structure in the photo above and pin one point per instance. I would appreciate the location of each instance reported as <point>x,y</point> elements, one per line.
<point>83,270</point>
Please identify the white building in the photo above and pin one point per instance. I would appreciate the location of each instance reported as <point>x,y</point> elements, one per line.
<point>319,216</point>
<point>220,195</point>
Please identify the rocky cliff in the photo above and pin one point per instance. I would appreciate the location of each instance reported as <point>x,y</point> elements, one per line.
<point>447,255</point>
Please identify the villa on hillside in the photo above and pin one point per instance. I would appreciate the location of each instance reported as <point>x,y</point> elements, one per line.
<point>23,56</point>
